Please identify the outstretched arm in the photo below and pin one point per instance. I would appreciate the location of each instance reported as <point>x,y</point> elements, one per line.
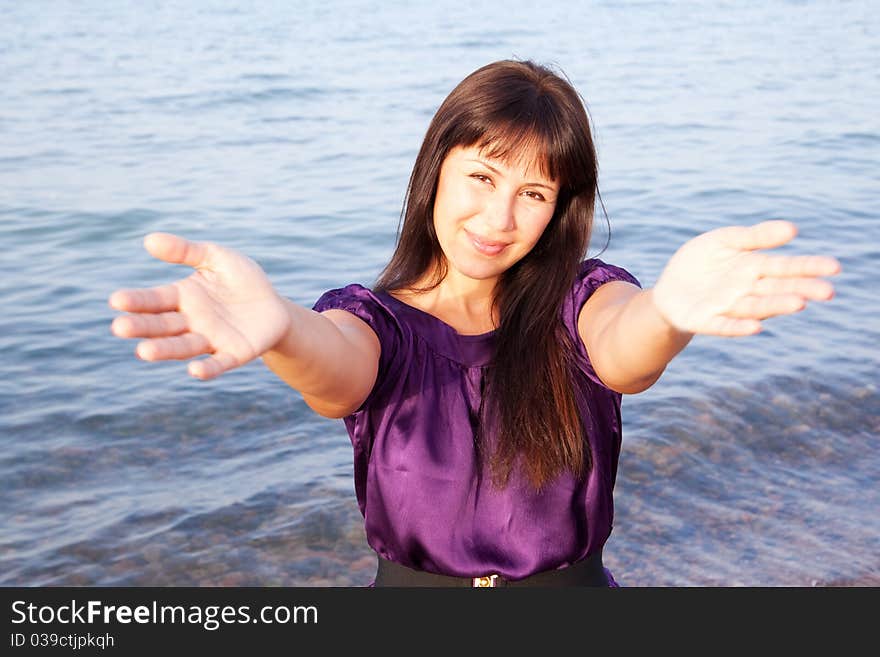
<point>718,283</point>
<point>228,311</point>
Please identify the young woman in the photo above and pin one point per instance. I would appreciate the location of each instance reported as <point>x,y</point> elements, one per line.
<point>480,378</point>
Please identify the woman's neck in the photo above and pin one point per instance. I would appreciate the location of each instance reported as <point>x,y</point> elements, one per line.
<point>463,303</point>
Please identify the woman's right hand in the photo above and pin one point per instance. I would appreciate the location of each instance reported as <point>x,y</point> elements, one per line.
<point>227,308</point>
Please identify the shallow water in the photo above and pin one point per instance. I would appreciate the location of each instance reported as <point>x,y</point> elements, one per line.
<point>289,133</point>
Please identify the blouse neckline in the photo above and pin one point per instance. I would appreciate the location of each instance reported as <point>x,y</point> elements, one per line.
<point>474,350</point>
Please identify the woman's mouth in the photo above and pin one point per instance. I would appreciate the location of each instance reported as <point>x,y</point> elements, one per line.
<point>485,246</point>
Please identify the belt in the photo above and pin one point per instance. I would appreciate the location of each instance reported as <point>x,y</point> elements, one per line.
<point>587,572</point>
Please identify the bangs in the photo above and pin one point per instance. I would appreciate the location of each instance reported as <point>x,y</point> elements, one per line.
<point>522,146</point>
<point>535,137</point>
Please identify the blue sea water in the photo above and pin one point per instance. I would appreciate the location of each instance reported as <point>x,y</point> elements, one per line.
<point>287,131</point>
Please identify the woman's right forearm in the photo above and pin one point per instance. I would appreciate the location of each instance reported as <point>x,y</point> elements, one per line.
<point>332,370</point>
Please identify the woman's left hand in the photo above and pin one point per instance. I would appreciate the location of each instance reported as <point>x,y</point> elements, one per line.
<point>718,283</point>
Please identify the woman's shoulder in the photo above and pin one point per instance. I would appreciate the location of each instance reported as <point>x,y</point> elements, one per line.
<point>594,272</point>
<point>366,304</point>
<point>382,317</point>
<point>354,296</point>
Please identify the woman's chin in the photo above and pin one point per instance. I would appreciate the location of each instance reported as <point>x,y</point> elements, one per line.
<point>471,264</point>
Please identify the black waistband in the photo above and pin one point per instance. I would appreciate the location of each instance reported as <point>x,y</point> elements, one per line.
<point>587,572</point>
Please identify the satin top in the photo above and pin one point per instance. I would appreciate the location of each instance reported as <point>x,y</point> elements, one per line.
<point>426,502</point>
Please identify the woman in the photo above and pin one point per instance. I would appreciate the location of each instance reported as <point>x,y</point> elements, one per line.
<point>480,379</point>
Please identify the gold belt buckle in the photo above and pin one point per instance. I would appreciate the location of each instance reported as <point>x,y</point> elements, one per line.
<point>484,581</point>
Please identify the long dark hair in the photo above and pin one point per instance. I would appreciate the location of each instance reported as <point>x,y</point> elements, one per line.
<point>508,109</point>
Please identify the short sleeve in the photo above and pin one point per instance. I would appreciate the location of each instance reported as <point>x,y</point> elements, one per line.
<point>593,274</point>
<point>363,303</point>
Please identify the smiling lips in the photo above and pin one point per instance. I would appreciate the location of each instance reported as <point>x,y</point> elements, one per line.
<point>484,246</point>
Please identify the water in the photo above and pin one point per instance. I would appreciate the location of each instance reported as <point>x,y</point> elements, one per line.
<point>287,130</point>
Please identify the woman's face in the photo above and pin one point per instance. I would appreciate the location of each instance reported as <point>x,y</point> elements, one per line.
<point>488,214</point>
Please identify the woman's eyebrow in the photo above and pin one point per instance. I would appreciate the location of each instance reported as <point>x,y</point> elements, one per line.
<point>500,173</point>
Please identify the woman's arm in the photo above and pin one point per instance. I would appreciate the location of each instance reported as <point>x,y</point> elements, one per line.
<point>715,284</point>
<point>332,358</point>
<point>628,341</point>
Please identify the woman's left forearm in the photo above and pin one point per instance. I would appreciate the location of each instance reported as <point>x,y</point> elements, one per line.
<point>637,344</point>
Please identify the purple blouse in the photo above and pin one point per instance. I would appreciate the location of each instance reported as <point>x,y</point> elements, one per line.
<point>425,503</point>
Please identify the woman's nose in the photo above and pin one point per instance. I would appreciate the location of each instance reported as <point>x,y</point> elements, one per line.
<point>500,213</point>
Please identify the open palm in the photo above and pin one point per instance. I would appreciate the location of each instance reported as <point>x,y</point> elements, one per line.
<point>719,284</point>
<point>227,309</point>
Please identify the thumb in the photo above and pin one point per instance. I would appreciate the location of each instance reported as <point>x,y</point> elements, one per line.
<point>765,235</point>
<point>176,250</point>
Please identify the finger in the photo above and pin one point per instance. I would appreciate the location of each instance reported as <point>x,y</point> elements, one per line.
<point>763,307</point>
<point>146,300</point>
<point>787,266</point>
<point>808,288</point>
<point>179,347</point>
<point>765,235</point>
<point>209,368</point>
<point>177,250</point>
<point>730,327</point>
<point>149,326</point>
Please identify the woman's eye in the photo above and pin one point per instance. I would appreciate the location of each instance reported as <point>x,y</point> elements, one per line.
<point>535,195</point>
<point>481,177</point>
